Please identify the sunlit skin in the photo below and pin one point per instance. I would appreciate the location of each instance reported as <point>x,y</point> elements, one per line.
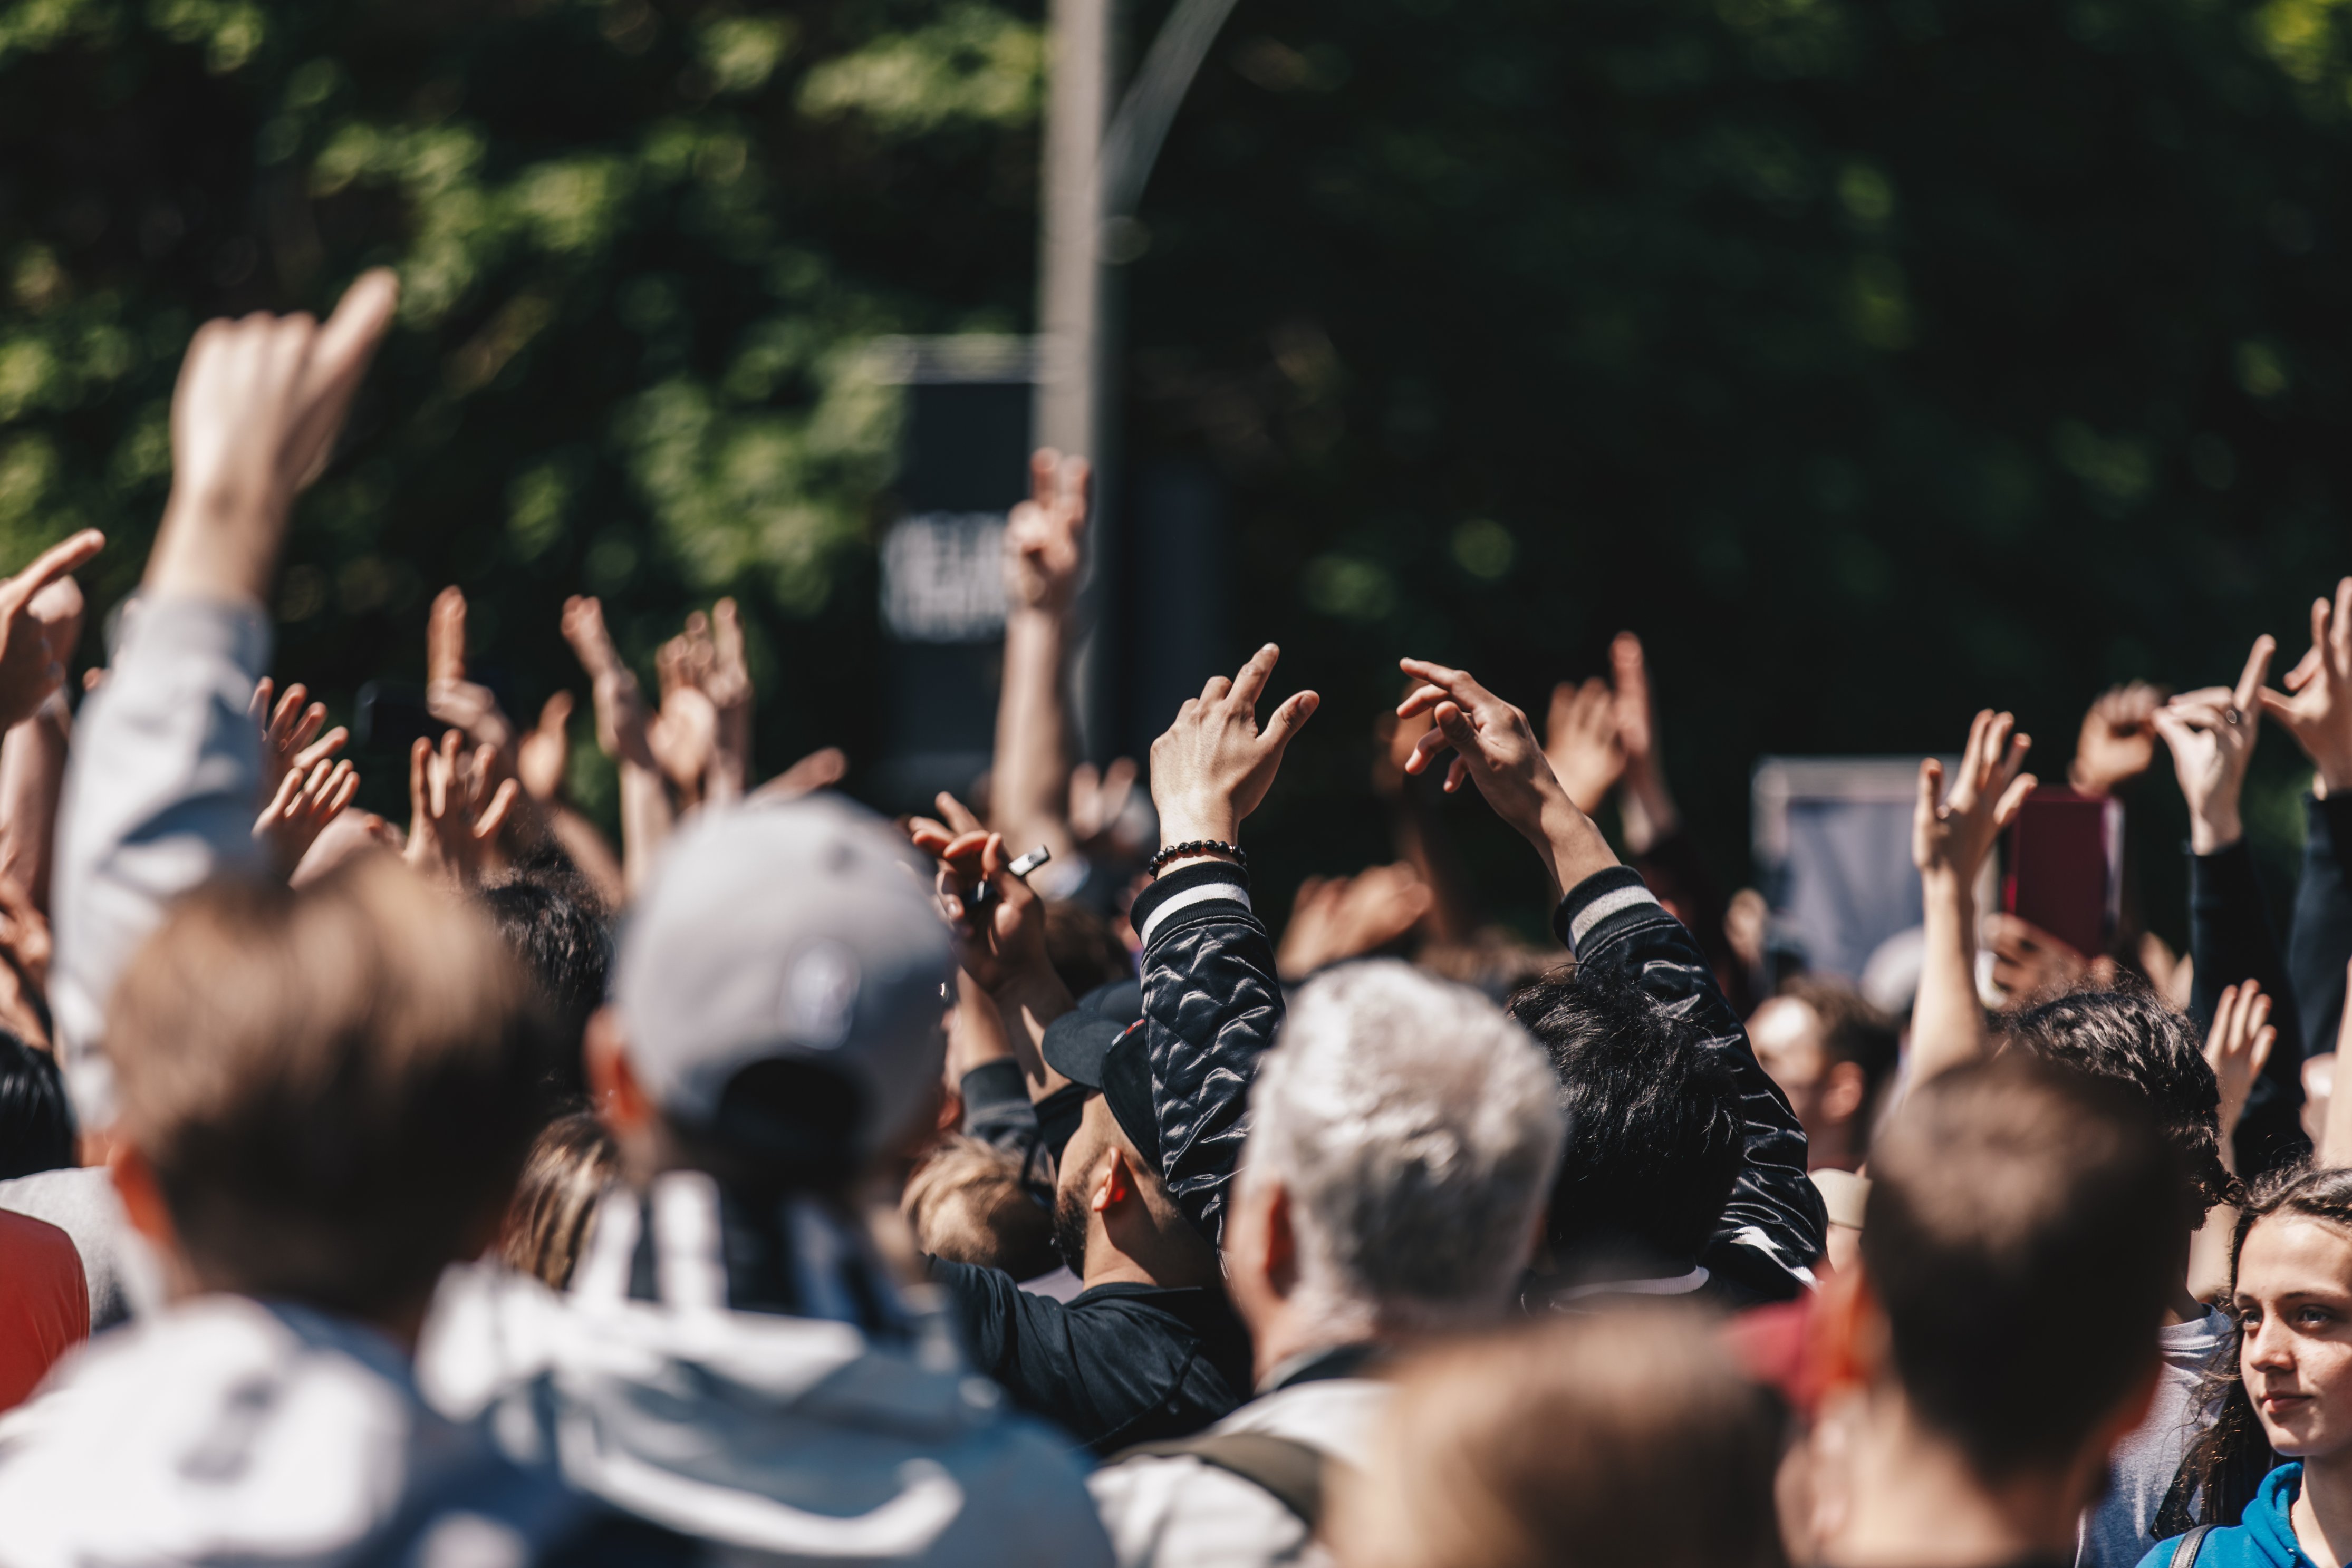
<point>2294,1297</point>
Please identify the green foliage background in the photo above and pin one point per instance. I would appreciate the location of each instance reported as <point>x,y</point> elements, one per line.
<point>1875,358</point>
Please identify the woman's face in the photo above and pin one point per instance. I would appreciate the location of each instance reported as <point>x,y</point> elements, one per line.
<point>2295,1299</point>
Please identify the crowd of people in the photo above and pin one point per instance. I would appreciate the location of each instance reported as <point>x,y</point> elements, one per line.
<point>797,1185</point>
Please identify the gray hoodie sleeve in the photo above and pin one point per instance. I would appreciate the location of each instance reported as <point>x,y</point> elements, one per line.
<point>160,796</point>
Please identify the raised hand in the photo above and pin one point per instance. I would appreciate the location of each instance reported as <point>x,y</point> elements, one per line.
<point>544,755</point>
<point>1337,918</point>
<point>818,770</point>
<point>2211,733</point>
<point>1951,834</point>
<point>40,615</point>
<point>1637,711</point>
<point>2316,708</point>
<point>346,834</point>
<point>1097,800</point>
<point>683,735</point>
<point>455,811</point>
<point>1580,741</point>
<point>725,679</point>
<point>304,803</point>
<point>1494,745</point>
<point>1044,538</point>
<point>2237,1047</point>
<point>2118,738</point>
<point>1214,764</point>
<point>253,419</point>
<point>1496,748</point>
<point>449,696</point>
<point>998,941</point>
<point>2029,962</point>
<point>621,721</point>
<point>291,741</point>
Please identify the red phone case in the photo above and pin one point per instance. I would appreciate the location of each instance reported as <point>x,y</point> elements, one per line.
<point>2064,867</point>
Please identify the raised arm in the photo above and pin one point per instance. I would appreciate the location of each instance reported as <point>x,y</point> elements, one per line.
<point>999,939</point>
<point>1211,1000</point>
<point>1772,1228</point>
<point>2211,735</point>
<point>2317,712</point>
<point>1951,834</point>
<point>1044,552</point>
<point>163,784</point>
<point>621,730</point>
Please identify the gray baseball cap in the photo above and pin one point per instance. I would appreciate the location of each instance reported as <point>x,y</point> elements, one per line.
<point>801,933</point>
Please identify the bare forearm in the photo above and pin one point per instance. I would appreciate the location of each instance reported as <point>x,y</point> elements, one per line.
<point>221,547</point>
<point>1031,777</point>
<point>31,775</point>
<point>1570,847</point>
<point>646,822</point>
<point>1025,1005</point>
<point>1421,843</point>
<point>1645,807</point>
<point>1947,1021</point>
<point>591,855</point>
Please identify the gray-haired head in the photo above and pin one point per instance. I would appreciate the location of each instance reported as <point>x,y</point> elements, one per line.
<point>1415,1128</point>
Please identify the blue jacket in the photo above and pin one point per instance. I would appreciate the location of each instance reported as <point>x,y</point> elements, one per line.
<point>2262,1537</point>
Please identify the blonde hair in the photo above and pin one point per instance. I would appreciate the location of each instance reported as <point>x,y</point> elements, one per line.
<point>570,1165</point>
<point>334,1086</point>
<point>965,1203</point>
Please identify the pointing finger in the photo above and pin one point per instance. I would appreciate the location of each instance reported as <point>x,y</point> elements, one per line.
<point>1250,684</point>
<point>2256,674</point>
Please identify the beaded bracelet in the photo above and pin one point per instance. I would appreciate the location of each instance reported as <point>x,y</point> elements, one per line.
<point>1195,846</point>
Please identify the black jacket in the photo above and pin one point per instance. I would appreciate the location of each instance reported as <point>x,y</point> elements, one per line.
<point>1115,1365</point>
<point>1771,1230</point>
<point>1122,1365</point>
<point>1212,1003</point>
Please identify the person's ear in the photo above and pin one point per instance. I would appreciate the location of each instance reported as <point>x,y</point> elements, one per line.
<point>143,1195</point>
<point>622,1103</point>
<point>1847,1345</point>
<point>1116,1186</point>
<point>1842,1092</point>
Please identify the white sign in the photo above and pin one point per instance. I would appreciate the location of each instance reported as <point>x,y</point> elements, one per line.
<point>943,578</point>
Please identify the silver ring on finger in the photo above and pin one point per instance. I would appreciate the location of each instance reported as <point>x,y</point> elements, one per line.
<point>2233,716</point>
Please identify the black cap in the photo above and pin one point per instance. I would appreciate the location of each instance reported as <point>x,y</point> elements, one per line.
<point>1106,1055</point>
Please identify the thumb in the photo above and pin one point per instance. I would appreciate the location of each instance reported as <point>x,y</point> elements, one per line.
<point>1455,725</point>
<point>1290,717</point>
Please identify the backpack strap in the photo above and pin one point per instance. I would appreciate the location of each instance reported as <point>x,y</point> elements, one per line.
<point>2184,1555</point>
<point>1289,1471</point>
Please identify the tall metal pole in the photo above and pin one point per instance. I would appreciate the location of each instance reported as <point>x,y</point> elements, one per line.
<point>1069,305</point>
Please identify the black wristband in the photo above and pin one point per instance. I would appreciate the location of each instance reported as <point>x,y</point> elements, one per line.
<point>1198,846</point>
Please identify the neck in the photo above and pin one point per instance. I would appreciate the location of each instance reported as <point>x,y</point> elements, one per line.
<point>2322,1514</point>
<point>1149,1257</point>
<point>1291,1329</point>
<point>1832,1149</point>
<point>1913,1500</point>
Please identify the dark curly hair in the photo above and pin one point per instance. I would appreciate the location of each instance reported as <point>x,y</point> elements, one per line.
<point>2129,1037</point>
<point>1654,1129</point>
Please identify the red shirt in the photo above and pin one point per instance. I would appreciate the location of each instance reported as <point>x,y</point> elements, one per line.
<point>44,1303</point>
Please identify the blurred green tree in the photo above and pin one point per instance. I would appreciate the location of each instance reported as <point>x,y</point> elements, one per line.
<point>642,248</point>
<point>1876,362</point>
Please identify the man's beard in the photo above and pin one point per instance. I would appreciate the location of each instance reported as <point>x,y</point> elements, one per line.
<point>1070,1230</point>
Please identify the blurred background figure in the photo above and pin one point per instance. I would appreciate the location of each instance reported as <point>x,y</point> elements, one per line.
<point>1572,1442</point>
